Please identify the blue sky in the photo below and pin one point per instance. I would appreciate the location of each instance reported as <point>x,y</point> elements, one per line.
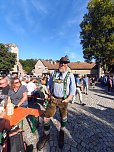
<point>45,29</point>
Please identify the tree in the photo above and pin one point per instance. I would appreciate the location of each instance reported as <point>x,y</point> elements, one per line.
<point>97,32</point>
<point>28,64</point>
<point>7,59</point>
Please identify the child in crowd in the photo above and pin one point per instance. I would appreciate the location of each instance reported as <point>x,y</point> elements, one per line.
<point>43,87</point>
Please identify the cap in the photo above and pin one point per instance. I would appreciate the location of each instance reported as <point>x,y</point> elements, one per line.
<point>64,60</point>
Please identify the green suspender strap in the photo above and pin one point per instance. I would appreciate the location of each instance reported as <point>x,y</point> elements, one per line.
<point>65,84</point>
<point>54,77</point>
<point>1,137</point>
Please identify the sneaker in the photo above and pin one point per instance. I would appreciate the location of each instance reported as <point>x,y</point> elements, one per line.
<point>42,141</point>
<point>61,139</point>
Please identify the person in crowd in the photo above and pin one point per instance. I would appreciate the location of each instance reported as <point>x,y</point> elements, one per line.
<point>85,84</point>
<point>18,93</point>
<point>43,87</point>
<point>62,88</point>
<point>113,81</point>
<point>41,94</point>
<point>44,90</point>
<point>109,84</point>
<point>93,79</point>
<point>4,87</point>
<point>79,88</point>
<point>31,86</point>
<point>24,81</point>
<point>14,75</point>
<point>105,80</point>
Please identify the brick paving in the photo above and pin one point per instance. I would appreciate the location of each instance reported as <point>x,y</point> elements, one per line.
<point>90,128</point>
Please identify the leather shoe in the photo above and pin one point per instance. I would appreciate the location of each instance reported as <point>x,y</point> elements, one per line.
<point>61,139</point>
<point>42,141</point>
<point>83,104</point>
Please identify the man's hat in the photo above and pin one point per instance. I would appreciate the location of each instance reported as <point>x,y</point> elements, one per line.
<point>64,60</point>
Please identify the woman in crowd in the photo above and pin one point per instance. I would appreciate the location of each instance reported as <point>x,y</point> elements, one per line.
<point>18,93</point>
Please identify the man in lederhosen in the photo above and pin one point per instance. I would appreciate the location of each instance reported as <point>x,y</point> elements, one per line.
<point>62,88</point>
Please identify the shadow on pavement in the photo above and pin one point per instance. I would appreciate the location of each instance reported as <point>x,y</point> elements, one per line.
<point>92,130</point>
<point>102,90</point>
<point>105,114</point>
<point>104,96</point>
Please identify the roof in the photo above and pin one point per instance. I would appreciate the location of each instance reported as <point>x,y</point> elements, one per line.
<point>52,65</point>
<point>82,65</point>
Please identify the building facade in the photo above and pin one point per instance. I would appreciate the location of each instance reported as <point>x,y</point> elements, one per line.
<point>44,67</point>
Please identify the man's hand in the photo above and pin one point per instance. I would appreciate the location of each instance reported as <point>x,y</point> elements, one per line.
<point>66,100</point>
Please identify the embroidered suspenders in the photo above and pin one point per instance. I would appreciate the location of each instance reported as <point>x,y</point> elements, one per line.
<point>61,81</point>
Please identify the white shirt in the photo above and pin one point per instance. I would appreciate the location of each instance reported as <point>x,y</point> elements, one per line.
<point>23,83</point>
<point>31,87</point>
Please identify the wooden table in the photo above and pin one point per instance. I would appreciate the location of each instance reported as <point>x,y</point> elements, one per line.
<point>21,113</point>
<point>7,122</point>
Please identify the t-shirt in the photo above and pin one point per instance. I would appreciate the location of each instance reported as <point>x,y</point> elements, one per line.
<point>85,80</point>
<point>17,96</point>
<point>4,92</point>
<point>31,88</point>
<point>77,80</point>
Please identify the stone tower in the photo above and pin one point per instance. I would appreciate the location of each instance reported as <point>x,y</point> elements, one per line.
<point>14,49</point>
<point>17,67</point>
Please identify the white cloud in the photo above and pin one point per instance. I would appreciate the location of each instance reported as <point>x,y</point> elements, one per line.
<point>12,17</point>
<point>15,27</point>
<point>26,10</point>
<point>76,20</point>
<point>77,13</point>
<point>28,7</point>
<point>58,35</point>
<point>54,36</point>
<point>71,55</point>
<point>40,7</point>
<point>72,21</point>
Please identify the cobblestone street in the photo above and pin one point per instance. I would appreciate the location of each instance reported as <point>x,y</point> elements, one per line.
<point>90,128</point>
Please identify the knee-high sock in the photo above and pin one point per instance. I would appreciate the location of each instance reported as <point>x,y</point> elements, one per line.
<point>63,122</point>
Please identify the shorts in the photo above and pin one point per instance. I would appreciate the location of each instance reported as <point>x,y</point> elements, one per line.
<point>56,103</point>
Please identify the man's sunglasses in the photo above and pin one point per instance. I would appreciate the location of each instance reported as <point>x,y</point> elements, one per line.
<point>63,63</point>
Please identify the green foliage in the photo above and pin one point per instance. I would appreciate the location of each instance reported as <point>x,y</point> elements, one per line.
<point>97,31</point>
<point>7,59</point>
<point>28,64</point>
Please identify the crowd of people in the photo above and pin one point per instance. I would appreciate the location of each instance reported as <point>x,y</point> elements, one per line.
<point>59,89</point>
<point>108,81</point>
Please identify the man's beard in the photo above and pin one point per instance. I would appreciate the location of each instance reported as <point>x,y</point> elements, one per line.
<point>62,70</point>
